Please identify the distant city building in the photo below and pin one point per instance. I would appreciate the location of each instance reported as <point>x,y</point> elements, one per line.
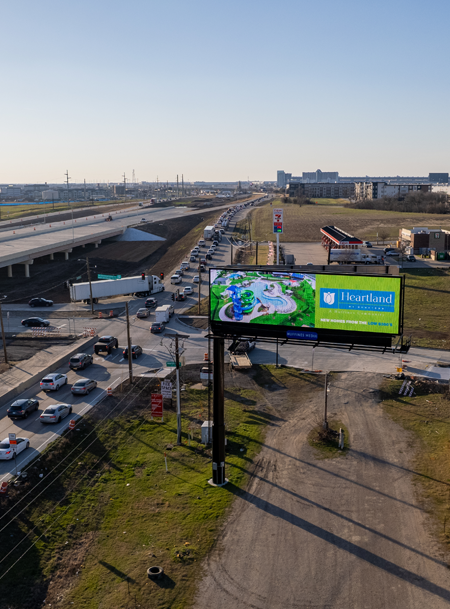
<point>325,190</point>
<point>283,178</point>
<point>378,190</point>
<point>438,178</point>
<point>320,176</point>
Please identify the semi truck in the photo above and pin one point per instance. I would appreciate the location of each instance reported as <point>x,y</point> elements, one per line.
<point>139,286</point>
<point>344,256</point>
<point>208,233</point>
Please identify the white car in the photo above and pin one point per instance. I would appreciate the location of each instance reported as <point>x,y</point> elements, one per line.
<point>188,290</point>
<point>196,279</point>
<point>54,414</point>
<point>52,382</point>
<point>6,452</point>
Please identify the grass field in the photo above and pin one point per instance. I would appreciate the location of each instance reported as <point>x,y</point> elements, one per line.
<point>330,201</point>
<point>304,223</point>
<point>427,417</point>
<point>108,510</point>
<point>427,296</point>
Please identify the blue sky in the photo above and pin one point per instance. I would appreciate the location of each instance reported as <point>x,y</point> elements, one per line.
<point>222,90</point>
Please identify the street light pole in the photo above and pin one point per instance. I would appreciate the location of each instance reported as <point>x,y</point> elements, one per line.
<point>130,354</point>
<point>3,335</point>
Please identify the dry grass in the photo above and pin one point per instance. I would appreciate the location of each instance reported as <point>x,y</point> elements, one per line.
<point>304,223</point>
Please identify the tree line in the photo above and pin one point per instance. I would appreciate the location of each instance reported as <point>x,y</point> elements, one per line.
<point>413,202</point>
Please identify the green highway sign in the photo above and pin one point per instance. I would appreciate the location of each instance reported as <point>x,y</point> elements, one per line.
<point>109,276</point>
<point>172,365</point>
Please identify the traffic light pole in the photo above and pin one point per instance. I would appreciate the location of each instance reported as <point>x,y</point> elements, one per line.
<point>199,287</point>
<point>218,447</point>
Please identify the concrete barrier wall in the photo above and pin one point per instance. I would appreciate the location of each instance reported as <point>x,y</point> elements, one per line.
<point>29,382</point>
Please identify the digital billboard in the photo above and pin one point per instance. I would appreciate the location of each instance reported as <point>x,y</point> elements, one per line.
<point>305,305</point>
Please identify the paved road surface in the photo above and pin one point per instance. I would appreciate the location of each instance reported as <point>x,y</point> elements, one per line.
<point>330,534</point>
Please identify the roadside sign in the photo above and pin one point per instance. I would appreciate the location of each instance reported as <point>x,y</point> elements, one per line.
<point>157,405</point>
<point>12,439</point>
<point>100,276</point>
<point>166,389</point>
<point>277,220</point>
<point>172,365</point>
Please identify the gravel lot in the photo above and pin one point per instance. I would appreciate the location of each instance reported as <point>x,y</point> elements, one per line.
<point>338,533</point>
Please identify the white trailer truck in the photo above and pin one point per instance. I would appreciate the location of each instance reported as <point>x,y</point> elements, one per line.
<point>208,233</point>
<point>344,256</point>
<point>116,287</point>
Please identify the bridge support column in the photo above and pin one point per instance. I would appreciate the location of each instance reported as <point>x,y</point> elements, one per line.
<point>97,243</point>
<point>52,256</point>
<point>27,270</point>
<point>66,255</point>
<point>10,271</point>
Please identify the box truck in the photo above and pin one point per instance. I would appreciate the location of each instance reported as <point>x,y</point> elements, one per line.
<point>208,233</point>
<point>162,315</point>
<point>344,256</point>
<point>138,286</point>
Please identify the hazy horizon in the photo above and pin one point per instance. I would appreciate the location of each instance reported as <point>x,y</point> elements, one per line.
<point>222,92</point>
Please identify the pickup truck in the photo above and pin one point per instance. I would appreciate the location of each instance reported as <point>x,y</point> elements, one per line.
<point>106,343</point>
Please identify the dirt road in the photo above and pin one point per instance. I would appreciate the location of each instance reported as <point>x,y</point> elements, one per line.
<point>334,533</point>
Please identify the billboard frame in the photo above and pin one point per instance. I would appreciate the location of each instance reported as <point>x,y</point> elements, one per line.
<point>325,337</point>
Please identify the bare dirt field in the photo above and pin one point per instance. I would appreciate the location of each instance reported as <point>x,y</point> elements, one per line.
<point>304,223</point>
<point>310,532</point>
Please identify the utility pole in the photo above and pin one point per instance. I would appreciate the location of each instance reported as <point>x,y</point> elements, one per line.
<point>177,364</point>
<point>67,181</point>
<point>257,252</point>
<point>199,286</point>
<point>3,335</point>
<point>177,186</point>
<point>85,189</point>
<point>130,354</point>
<point>182,185</point>
<point>325,421</point>
<point>124,187</point>
<point>90,285</point>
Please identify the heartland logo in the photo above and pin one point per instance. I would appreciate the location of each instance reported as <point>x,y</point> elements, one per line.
<point>361,300</point>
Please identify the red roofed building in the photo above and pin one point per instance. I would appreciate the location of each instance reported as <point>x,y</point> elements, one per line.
<point>339,238</point>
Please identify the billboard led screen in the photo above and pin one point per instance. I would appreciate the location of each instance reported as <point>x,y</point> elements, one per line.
<point>307,302</point>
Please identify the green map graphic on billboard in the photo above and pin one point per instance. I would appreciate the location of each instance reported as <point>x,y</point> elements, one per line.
<point>306,300</point>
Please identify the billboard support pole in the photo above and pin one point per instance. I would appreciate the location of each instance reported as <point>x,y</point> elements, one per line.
<point>278,249</point>
<point>218,445</point>
<point>325,420</point>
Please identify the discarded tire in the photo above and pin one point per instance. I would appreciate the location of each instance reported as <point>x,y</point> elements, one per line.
<point>155,572</point>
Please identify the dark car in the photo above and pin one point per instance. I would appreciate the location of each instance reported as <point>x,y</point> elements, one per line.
<point>80,361</point>
<point>389,250</point>
<point>180,297</point>
<point>136,351</point>
<point>151,302</point>
<point>40,302</point>
<point>35,322</point>
<point>20,409</point>
<point>106,343</point>
<point>411,258</point>
<point>208,256</point>
<point>157,328</point>
<point>193,259</point>
<point>215,242</point>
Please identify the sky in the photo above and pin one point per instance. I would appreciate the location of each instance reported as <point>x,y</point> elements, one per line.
<point>222,91</point>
